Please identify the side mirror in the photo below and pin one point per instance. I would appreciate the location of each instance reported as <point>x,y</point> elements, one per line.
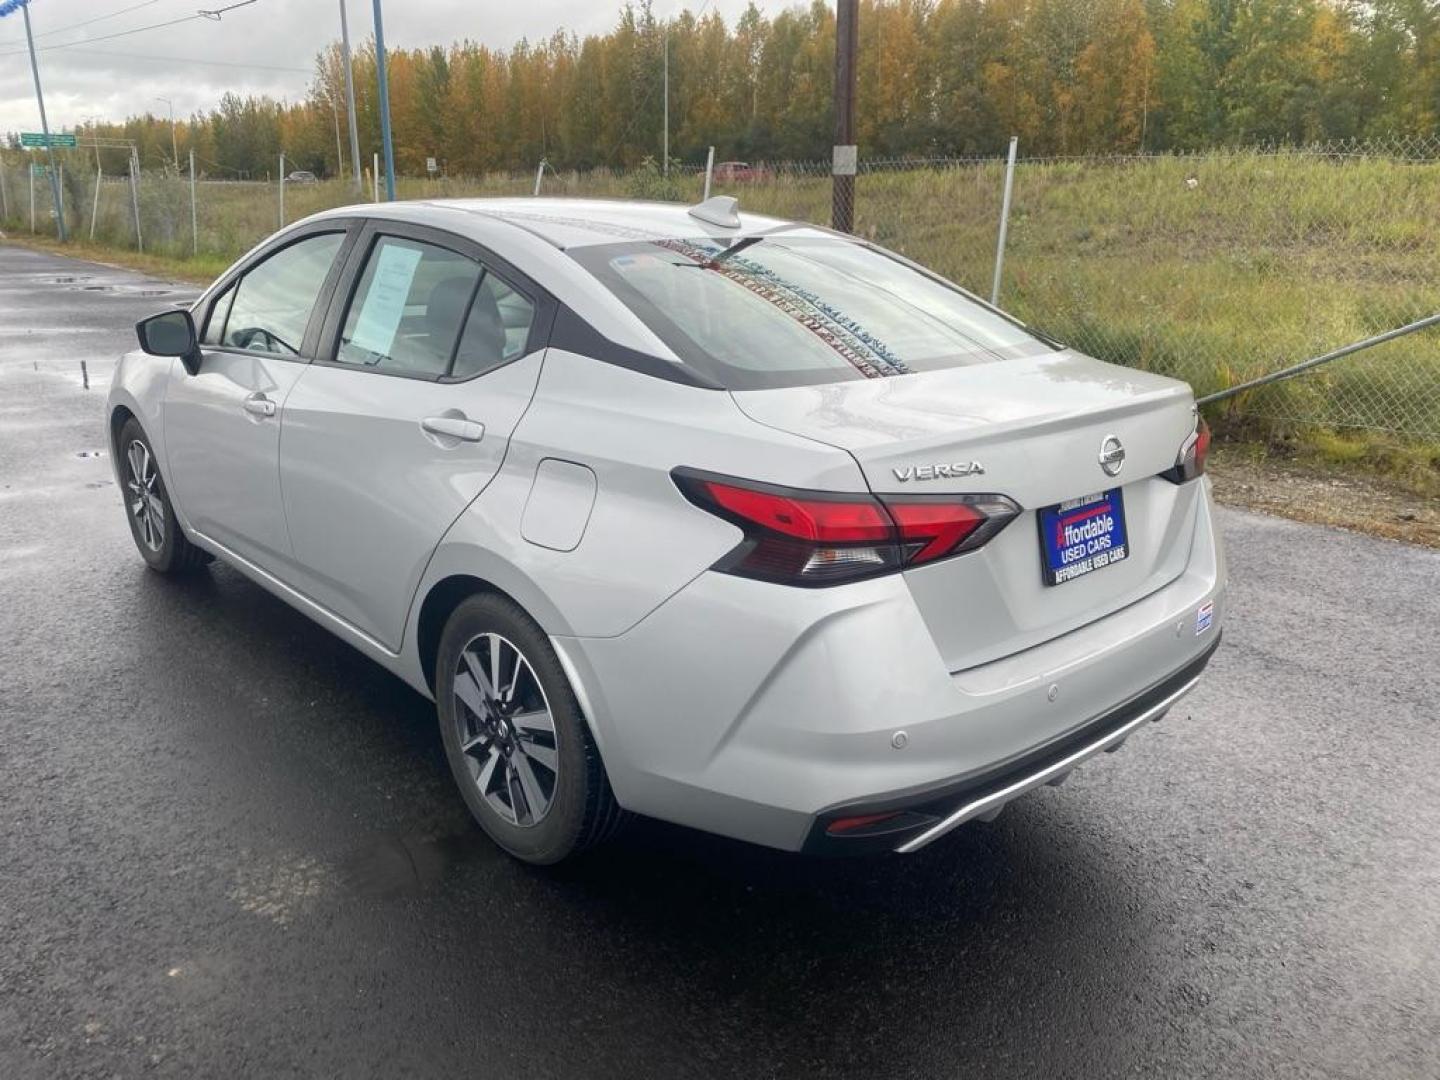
<point>171,333</point>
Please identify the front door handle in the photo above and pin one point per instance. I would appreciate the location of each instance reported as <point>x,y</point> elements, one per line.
<point>259,405</point>
<point>454,427</point>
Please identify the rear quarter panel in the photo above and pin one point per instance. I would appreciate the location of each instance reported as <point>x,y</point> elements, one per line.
<point>642,540</point>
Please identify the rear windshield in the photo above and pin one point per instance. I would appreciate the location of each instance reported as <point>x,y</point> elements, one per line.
<point>791,311</point>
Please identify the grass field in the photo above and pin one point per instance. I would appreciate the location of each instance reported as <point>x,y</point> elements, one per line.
<point>1214,268</point>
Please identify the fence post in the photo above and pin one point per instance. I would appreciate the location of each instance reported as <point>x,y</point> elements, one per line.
<point>135,196</point>
<point>282,189</point>
<point>1004,222</point>
<point>539,175</point>
<point>709,171</point>
<point>194,218</point>
<point>95,209</point>
<point>375,180</point>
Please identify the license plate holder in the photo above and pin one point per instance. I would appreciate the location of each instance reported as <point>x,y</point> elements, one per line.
<point>1083,535</point>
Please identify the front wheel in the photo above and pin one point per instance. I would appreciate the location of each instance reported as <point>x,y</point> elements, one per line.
<point>147,504</point>
<point>514,735</point>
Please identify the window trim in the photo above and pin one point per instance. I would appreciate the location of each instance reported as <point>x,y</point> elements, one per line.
<point>371,232</point>
<point>346,227</point>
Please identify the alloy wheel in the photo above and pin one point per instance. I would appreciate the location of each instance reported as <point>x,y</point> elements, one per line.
<point>506,730</point>
<point>145,499</point>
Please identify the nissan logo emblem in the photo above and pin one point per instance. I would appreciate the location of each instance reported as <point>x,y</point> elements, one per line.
<point>1112,455</point>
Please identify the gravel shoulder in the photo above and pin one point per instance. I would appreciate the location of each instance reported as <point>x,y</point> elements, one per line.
<point>1246,478</point>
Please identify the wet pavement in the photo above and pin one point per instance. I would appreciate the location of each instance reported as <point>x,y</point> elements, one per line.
<point>229,845</point>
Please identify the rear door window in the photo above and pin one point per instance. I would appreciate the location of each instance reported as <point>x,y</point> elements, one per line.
<point>497,330</point>
<point>408,308</point>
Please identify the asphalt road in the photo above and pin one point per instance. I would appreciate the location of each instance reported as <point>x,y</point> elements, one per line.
<point>229,845</point>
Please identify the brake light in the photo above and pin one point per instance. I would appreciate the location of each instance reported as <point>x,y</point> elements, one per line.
<point>1190,462</point>
<point>815,538</point>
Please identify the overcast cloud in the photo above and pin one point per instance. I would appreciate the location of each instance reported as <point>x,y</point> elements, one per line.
<point>267,47</point>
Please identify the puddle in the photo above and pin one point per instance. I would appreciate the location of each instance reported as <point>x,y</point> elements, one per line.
<point>398,866</point>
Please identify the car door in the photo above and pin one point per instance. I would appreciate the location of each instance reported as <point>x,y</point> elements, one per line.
<point>222,424</point>
<point>432,352</point>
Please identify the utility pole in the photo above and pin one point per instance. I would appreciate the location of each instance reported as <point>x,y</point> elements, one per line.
<point>45,127</point>
<point>384,104</point>
<point>843,162</point>
<point>350,99</point>
<point>665,144</point>
<point>174,153</point>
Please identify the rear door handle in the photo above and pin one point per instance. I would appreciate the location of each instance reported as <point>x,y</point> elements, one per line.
<point>454,427</point>
<point>259,405</point>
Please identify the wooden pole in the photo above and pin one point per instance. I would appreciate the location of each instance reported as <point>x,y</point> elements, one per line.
<point>843,163</point>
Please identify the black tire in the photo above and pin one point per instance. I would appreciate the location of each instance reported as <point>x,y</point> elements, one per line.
<point>582,811</point>
<point>173,554</point>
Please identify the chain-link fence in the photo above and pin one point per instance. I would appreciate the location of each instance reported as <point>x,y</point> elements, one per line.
<point>1213,267</point>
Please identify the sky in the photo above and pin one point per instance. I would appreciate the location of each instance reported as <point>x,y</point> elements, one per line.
<point>263,47</point>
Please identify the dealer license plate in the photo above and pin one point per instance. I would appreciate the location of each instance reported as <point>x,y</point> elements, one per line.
<point>1082,535</point>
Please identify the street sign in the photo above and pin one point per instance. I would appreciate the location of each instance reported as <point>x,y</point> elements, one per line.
<point>37,138</point>
<point>37,169</point>
<point>430,165</point>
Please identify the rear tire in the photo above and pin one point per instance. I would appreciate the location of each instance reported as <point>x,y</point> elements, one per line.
<point>518,746</point>
<point>153,526</point>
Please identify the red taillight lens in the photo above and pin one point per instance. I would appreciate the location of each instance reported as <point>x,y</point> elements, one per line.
<point>820,538</point>
<point>1190,462</point>
<point>1202,444</point>
<point>834,521</point>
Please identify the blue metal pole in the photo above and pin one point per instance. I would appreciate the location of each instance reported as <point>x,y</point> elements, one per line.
<point>384,104</point>
<point>45,128</point>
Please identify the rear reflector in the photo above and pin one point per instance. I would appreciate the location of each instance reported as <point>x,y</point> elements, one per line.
<point>817,538</point>
<point>850,824</point>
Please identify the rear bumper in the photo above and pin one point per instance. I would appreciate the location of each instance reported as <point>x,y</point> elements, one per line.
<point>923,817</point>
<point>765,713</point>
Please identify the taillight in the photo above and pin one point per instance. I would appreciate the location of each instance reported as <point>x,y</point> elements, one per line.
<point>1190,462</point>
<point>815,538</point>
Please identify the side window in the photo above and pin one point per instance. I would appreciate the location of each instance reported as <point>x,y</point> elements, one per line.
<point>274,299</point>
<point>496,331</point>
<point>215,325</point>
<point>407,310</point>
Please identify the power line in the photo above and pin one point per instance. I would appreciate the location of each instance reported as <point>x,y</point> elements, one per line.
<point>97,18</point>
<point>212,15</point>
<point>185,60</point>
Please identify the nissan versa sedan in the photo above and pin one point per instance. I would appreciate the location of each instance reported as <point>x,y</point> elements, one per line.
<point>734,522</point>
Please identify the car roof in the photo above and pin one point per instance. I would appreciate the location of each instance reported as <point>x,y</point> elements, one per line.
<point>572,223</point>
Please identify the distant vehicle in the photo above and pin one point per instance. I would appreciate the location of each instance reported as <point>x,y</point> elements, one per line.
<point>740,172</point>
<point>301,176</point>
<point>731,521</point>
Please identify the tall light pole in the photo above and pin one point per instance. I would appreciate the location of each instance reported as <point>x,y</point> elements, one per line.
<point>384,104</point>
<point>350,98</point>
<point>174,153</point>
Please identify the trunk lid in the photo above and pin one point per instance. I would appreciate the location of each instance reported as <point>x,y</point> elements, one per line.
<point>1035,427</point>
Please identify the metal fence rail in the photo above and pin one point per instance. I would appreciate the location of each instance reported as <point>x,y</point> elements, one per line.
<point>1216,267</point>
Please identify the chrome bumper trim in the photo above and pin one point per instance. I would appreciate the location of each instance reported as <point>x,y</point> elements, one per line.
<point>992,803</point>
